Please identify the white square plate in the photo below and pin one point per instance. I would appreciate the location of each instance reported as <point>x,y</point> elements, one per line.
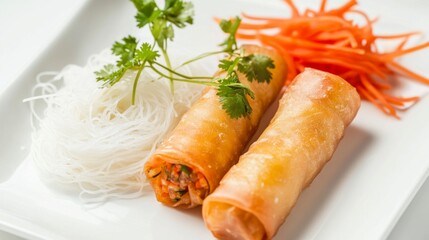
<point>375,172</point>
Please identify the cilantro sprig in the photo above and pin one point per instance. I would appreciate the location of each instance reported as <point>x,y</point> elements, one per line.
<point>132,55</point>
<point>161,21</point>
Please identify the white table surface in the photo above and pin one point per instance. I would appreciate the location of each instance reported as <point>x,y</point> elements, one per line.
<point>28,26</point>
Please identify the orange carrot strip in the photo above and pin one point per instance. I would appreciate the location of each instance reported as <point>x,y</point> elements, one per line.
<point>295,12</point>
<point>410,73</point>
<point>400,101</point>
<point>252,26</point>
<point>252,17</point>
<point>330,60</point>
<point>341,10</point>
<point>395,102</point>
<point>376,93</point>
<point>309,44</point>
<point>362,91</point>
<point>403,35</point>
<point>406,51</point>
<point>344,43</point>
<point>246,36</point>
<point>394,99</point>
<point>309,13</point>
<point>402,44</point>
<point>322,6</point>
<point>341,34</point>
<point>349,75</point>
<point>330,41</point>
<point>381,86</point>
<point>357,64</point>
<point>289,61</point>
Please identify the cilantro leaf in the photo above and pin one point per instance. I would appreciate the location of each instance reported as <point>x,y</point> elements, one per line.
<point>125,50</point>
<point>110,74</point>
<point>232,96</point>
<point>161,32</point>
<point>141,4</point>
<point>255,67</point>
<point>161,21</point>
<point>147,11</point>
<point>147,15</point>
<point>146,54</point>
<point>229,65</point>
<point>231,92</point>
<point>179,12</point>
<point>230,27</point>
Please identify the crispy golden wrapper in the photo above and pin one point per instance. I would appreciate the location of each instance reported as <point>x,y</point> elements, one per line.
<point>256,195</point>
<point>208,141</point>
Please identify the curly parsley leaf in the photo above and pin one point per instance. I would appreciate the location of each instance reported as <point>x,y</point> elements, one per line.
<point>232,96</point>
<point>255,67</point>
<point>125,50</point>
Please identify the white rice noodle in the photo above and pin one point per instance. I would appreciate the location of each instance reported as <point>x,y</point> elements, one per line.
<point>93,137</point>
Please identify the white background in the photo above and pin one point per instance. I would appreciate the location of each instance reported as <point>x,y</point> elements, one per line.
<point>28,26</point>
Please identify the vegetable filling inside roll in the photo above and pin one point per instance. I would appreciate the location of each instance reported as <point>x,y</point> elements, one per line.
<point>181,183</point>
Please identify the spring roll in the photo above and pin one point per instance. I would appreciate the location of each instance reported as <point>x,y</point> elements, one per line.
<point>190,163</point>
<point>257,194</point>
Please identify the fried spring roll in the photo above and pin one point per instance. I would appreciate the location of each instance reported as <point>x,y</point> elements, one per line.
<point>190,163</point>
<point>256,195</point>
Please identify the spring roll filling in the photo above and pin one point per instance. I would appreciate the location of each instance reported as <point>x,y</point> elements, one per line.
<point>180,183</point>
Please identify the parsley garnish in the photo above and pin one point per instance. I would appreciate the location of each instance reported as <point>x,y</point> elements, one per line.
<point>161,22</point>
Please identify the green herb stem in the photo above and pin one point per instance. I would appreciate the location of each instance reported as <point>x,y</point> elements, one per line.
<point>180,74</point>
<point>201,56</point>
<point>168,63</point>
<point>161,22</point>
<point>136,80</point>
<point>192,80</point>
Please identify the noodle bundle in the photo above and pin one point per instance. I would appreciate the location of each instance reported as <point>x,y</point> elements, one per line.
<point>93,136</point>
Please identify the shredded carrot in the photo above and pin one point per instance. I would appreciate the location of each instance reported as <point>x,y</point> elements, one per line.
<point>331,41</point>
